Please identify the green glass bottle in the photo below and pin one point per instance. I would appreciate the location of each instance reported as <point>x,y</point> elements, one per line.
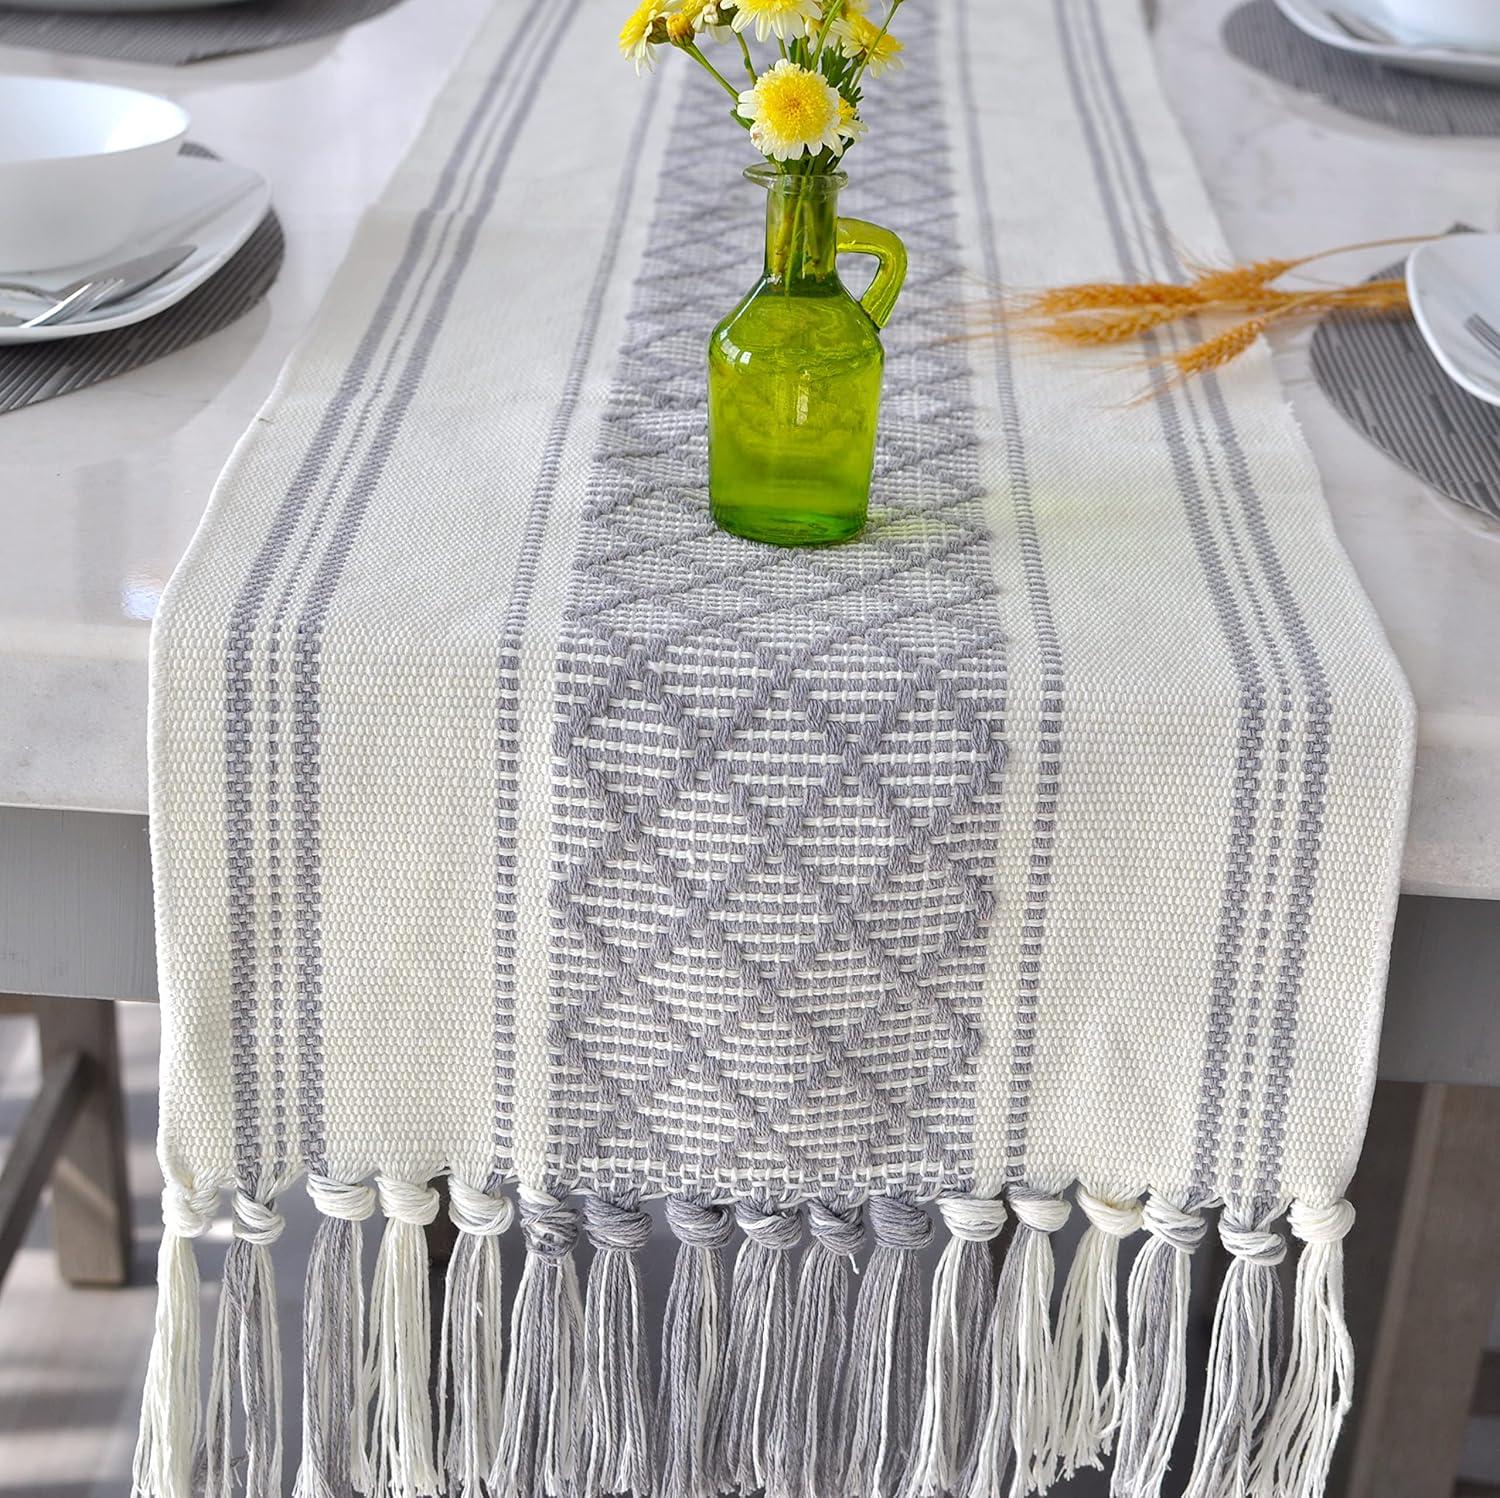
<point>794,372</point>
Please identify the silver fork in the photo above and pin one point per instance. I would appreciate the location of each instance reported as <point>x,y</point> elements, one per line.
<point>80,300</point>
<point>1484,331</point>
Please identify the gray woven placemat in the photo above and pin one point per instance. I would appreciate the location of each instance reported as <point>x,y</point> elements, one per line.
<point>182,36</point>
<point>37,371</point>
<point>1386,382</point>
<point>1258,34</point>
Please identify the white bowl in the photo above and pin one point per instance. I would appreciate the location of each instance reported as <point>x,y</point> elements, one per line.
<point>79,164</point>
<point>1462,23</point>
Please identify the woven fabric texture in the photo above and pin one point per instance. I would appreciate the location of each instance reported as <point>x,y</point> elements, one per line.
<point>509,820</point>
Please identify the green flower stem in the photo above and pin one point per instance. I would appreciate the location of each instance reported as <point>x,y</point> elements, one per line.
<point>828,20</point>
<point>739,36</point>
<point>692,49</point>
<point>865,62</point>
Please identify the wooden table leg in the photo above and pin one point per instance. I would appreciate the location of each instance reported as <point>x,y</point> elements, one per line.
<point>1432,1297</point>
<point>90,1193</point>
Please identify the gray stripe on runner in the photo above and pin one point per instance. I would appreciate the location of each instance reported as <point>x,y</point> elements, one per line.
<point>239,729</point>
<point>1269,829</point>
<point>326,579</point>
<point>1050,654</point>
<point>1250,729</point>
<point>1276,1093</point>
<point>508,770</point>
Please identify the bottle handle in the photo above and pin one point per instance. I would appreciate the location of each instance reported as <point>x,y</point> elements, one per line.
<point>856,237</point>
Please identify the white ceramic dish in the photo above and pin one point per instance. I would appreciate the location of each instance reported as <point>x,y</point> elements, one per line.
<point>1449,281</point>
<point>1312,16</point>
<point>1457,23</point>
<point>211,204</point>
<point>79,164</point>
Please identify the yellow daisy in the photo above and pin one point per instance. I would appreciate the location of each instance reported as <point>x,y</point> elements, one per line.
<point>850,126</point>
<point>792,110</point>
<point>786,19</point>
<point>638,35</point>
<point>859,36</point>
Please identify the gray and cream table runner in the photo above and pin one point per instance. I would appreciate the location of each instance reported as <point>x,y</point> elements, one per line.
<point>1035,854</point>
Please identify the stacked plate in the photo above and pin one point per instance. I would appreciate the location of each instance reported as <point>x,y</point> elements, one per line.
<point>107,221</point>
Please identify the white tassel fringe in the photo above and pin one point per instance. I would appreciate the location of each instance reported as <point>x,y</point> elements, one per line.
<point>1022,1415</point>
<point>471,1388</point>
<point>954,1392</point>
<point>1090,1352</point>
<point>1305,1422</point>
<point>166,1448</point>
<point>398,1348</point>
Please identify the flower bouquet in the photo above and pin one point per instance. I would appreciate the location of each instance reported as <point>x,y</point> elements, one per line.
<point>795,369</point>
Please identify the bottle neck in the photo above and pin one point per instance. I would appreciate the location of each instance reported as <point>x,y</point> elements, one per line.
<point>802,233</point>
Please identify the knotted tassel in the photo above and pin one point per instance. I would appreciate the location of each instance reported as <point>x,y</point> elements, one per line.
<point>806,1460</point>
<point>694,1336</point>
<point>398,1350</point>
<point>471,1359</point>
<point>615,1454</point>
<point>1156,1312</point>
<point>1304,1426</point>
<point>333,1314</point>
<point>883,1387</point>
<point>760,1332</point>
<point>247,1355</point>
<point>536,1451</point>
<point>1021,1416</point>
<point>963,1301</point>
<point>1244,1362</point>
<point>1090,1354</point>
<point>167,1446</point>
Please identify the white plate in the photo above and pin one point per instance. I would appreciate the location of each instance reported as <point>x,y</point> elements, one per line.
<point>214,205</point>
<point>1312,17</point>
<point>1449,280</point>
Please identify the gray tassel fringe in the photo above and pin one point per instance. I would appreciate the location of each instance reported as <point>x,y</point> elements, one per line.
<point>760,1332</point>
<point>536,1455</point>
<point>883,1388</point>
<point>247,1357</point>
<point>616,1429</point>
<point>806,1460</point>
<point>1156,1310</point>
<point>333,1313</point>
<point>694,1338</point>
<point>1244,1363</point>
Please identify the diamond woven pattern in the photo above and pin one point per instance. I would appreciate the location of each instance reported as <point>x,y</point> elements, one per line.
<point>779,770</point>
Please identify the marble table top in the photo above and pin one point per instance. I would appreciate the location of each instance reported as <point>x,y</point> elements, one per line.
<point>100,490</point>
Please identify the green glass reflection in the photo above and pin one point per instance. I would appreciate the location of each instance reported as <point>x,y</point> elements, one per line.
<point>794,373</point>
